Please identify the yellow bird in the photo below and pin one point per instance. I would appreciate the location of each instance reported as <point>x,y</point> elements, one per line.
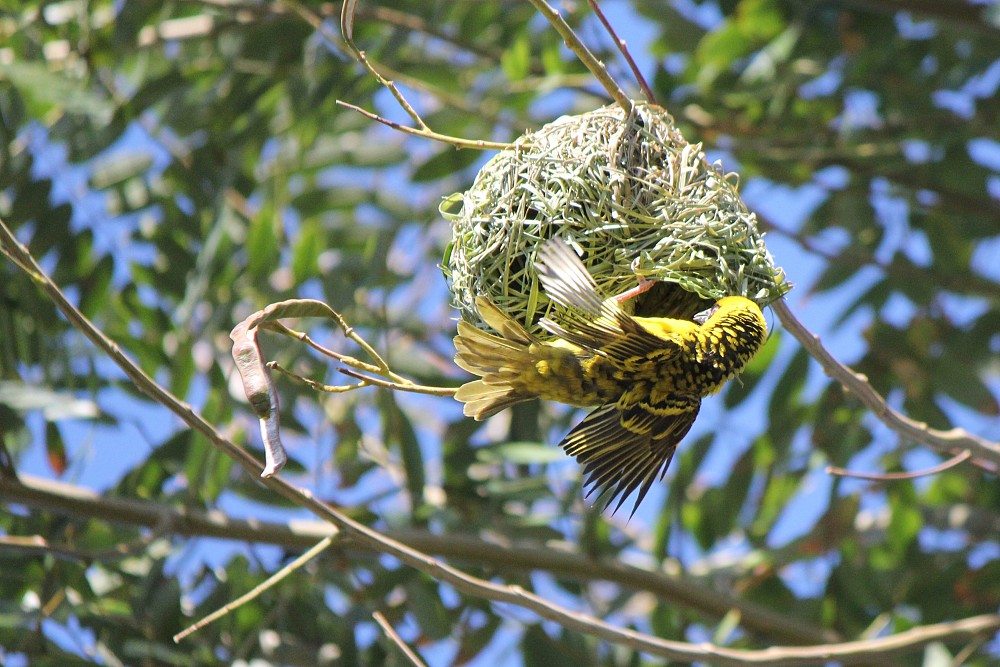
<point>647,374</point>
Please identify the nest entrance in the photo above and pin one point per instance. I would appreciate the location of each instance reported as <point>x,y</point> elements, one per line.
<point>628,191</point>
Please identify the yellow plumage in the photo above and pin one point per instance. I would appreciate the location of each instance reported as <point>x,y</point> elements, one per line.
<point>647,374</point>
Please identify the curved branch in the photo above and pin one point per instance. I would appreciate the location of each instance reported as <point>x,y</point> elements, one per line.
<point>69,500</point>
<point>846,653</point>
<point>950,441</point>
<point>347,33</point>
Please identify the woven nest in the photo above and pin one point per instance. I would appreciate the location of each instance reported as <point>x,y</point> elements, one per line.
<point>629,193</point>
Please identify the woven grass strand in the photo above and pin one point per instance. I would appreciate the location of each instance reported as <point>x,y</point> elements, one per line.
<point>626,190</point>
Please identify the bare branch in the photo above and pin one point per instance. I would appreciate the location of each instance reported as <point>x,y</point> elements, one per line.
<point>257,590</point>
<point>40,544</point>
<point>313,384</point>
<point>678,587</point>
<point>457,142</point>
<point>964,455</point>
<point>586,56</point>
<point>400,386</point>
<point>347,33</point>
<point>260,389</point>
<point>71,500</point>
<point>280,327</point>
<point>387,628</point>
<point>623,49</point>
<point>846,653</point>
<point>950,441</point>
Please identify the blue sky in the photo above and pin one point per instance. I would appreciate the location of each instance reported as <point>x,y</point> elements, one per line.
<point>101,455</point>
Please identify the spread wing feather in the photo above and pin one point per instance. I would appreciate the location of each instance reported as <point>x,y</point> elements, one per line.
<point>591,323</point>
<point>565,279</point>
<point>620,459</point>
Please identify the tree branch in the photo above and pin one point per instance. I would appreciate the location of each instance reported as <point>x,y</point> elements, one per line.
<point>586,56</point>
<point>347,33</point>
<point>949,442</point>
<point>259,589</point>
<point>623,49</point>
<point>394,637</point>
<point>847,653</point>
<point>67,499</point>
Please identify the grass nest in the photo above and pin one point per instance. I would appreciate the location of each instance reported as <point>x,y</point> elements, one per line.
<point>628,192</point>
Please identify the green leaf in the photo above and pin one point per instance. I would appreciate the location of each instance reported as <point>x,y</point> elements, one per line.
<point>146,480</point>
<point>95,286</point>
<point>46,91</point>
<point>540,650</point>
<point>261,246</point>
<point>444,163</point>
<point>306,251</point>
<point>516,58</point>
<point>55,405</point>
<point>783,414</point>
<point>520,453</point>
<point>425,604</point>
<point>937,655</point>
<point>117,168</point>
<point>399,433</point>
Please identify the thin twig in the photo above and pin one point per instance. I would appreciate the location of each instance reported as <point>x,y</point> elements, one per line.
<point>678,589</point>
<point>347,33</point>
<point>256,590</point>
<point>387,628</point>
<point>380,366</point>
<point>400,386</point>
<point>366,381</point>
<point>41,545</point>
<point>950,441</point>
<point>586,56</point>
<point>623,48</point>
<point>846,653</point>
<point>894,476</point>
<point>457,142</point>
<point>967,652</point>
<point>313,384</point>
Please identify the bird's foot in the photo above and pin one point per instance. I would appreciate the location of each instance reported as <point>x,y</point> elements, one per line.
<point>643,286</point>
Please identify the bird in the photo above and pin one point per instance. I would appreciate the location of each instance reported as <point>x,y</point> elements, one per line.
<point>645,375</point>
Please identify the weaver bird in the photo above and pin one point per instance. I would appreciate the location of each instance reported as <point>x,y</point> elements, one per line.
<point>647,374</point>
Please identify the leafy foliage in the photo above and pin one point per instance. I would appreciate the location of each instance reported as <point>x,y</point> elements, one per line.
<point>177,166</point>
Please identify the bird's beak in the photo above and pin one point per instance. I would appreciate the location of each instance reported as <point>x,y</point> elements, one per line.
<point>703,316</point>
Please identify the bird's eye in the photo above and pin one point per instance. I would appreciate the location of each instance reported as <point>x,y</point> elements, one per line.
<point>703,316</point>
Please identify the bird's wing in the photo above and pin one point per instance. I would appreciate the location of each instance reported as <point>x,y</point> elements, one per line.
<point>592,323</point>
<point>566,279</point>
<point>626,448</point>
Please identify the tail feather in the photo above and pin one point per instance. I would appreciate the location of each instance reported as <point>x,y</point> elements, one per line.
<point>499,361</point>
<point>485,400</point>
<point>502,323</point>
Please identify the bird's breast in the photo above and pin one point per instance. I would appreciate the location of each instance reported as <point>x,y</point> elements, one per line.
<point>711,358</point>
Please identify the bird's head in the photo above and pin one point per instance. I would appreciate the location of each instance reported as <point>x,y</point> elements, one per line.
<point>725,303</point>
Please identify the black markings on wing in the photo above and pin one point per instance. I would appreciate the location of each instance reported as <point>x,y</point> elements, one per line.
<point>636,342</point>
<point>624,450</point>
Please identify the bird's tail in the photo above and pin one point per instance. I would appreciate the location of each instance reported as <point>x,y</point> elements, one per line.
<point>501,361</point>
